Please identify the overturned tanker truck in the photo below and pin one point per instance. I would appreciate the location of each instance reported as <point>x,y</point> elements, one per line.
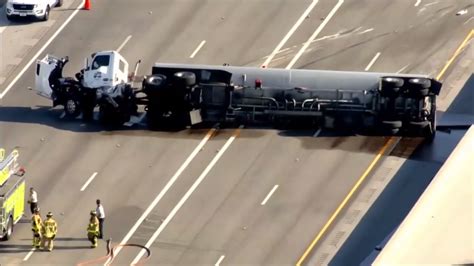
<point>180,95</point>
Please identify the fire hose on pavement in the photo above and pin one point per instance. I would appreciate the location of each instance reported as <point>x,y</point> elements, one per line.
<point>110,254</point>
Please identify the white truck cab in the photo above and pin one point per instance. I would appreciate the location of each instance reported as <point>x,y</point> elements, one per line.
<point>105,69</point>
<point>30,8</point>
<point>102,69</point>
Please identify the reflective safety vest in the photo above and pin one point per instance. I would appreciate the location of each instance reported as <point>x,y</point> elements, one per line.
<point>50,227</point>
<point>36,222</point>
<point>93,227</point>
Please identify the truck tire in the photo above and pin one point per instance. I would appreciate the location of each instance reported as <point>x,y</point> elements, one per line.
<point>392,127</point>
<point>392,82</point>
<point>9,230</point>
<point>10,17</point>
<point>423,129</point>
<point>155,80</point>
<point>391,86</point>
<point>46,14</point>
<point>185,78</point>
<point>72,107</point>
<point>420,86</point>
<point>152,84</point>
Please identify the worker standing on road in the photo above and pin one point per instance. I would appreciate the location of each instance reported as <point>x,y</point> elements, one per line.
<point>101,216</point>
<point>36,227</point>
<point>93,229</point>
<point>50,229</point>
<point>33,201</point>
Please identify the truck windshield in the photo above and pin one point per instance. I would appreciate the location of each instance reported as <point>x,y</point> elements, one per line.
<point>100,60</point>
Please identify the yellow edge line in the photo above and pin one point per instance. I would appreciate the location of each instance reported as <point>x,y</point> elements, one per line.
<point>346,199</point>
<point>458,51</point>
<point>372,164</point>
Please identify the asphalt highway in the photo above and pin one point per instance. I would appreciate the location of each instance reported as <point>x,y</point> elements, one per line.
<point>249,196</point>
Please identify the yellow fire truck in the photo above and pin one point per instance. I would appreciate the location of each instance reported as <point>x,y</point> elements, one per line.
<point>12,193</point>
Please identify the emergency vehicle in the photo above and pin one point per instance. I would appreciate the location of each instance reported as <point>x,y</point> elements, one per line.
<point>39,9</point>
<point>12,193</point>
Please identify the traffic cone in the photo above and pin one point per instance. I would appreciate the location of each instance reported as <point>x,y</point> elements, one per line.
<point>87,4</point>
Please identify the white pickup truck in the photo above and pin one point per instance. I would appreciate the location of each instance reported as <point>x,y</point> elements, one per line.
<point>31,8</point>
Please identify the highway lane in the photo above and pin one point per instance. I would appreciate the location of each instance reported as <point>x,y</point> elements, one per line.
<point>182,249</point>
<point>187,241</point>
<point>146,192</point>
<point>421,42</point>
<point>225,214</point>
<point>71,152</point>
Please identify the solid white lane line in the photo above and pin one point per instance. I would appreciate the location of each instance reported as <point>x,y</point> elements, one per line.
<point>315,34</point>
<point>88,181</point>
<point>29,254</point>
<point>292,30</point>
<point>124,42</point>
<point>40,51</point>
<point>163,192</point>
<point>269,195</point>
<point>317,133</point>
<point>197,49</point>
<point>417,2</point>
<point>187,195</point>
<point>219,260</point>
<point>372,61</point>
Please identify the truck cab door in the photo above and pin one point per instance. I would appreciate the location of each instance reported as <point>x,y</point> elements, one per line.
<point>120,74</point>
<point>44,67</point>
<point>99,72</point>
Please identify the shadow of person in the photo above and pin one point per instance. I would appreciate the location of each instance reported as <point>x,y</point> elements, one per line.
<point>12,248</point>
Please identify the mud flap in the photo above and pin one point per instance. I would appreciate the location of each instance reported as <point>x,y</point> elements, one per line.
<point>195,116</point>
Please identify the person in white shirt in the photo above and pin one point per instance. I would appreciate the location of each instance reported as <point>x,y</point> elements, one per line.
<point>101,216</point>
<point>33,200</point>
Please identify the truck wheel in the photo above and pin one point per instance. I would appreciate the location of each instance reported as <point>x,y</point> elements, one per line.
<point>10,17</point>
<point>155,80</point>
<point>187,78</point>
<point>391,86</point>
<point>152,84</point>
<point>46,14</point>
<point>423,129</point>
<point>59,3</point>
<point>392,82</point>
<point>72,107</point>
<point>9,230</point>
<point>420,86</point>
<point>392,127</point>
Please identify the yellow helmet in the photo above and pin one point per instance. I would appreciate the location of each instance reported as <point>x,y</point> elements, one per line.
<point>50,214</point>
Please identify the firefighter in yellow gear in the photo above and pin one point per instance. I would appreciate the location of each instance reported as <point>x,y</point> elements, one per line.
<point>93,229</point>
<point>50,229</point>
<point>36,227</point>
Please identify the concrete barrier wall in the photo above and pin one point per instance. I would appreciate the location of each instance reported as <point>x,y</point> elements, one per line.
<point>440,227</point>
